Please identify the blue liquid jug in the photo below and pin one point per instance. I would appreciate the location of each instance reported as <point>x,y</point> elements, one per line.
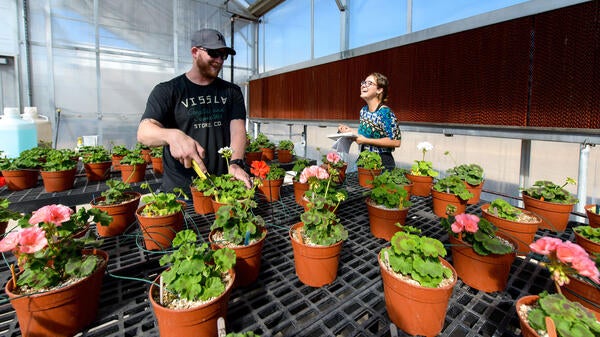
<point>16,134</point>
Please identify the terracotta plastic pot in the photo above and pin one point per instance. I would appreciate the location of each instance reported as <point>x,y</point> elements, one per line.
<point>366,176</point>
<point>316,266</point>
<point>248,259</point>
<point>299,189</point>
<point>57,181</point>
<point>487,273</point>
<point>583,292</point>
<point>593,217</point>
<point>555,216</point>
<point>123,214</point>
<point>521,232</point>
<point>197,321</point>
<point>159,231</point>
<point>476,191</point>
<point>441,200</point>
<point>284,156</point>
<point>157,165</point>
<point>382,221</point>
<point>421,185</point>
<point>17,180</point>
<point>133,173</point>
<point>526,329</point>
<point>97,171</point>
<point>271,188</point>
<point>267,154</point>
<point>253,156</point>
<point>590,246</point>
<point>408,189</point>
<point>60,312</point>
<point>341,177</point>
<point>202,203</point>
<point>146,155</point>
<point>414,309</point>
<point>116,162</point>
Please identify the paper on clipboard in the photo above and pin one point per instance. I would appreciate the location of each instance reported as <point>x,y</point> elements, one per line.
<point>342,141</point>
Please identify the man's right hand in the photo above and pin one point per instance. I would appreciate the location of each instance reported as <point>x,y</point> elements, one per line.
<point>185,149</point>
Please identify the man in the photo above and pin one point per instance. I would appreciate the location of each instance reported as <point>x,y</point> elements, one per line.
<point>195,114</point>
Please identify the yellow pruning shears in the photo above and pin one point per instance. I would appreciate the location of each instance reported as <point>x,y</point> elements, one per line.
<point>201,174</point>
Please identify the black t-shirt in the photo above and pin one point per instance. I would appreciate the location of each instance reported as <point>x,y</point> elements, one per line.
<point>203,112</point>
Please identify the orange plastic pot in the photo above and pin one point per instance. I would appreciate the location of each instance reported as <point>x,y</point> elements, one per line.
<point>157,165</point>
<point>270,189</point>
<point>421,185</point>
<point>133,173</point>
<point>267,154</point>
<point>316,266</point>
<point>248,259</point>
<point>17,180</point>
<point>299,190</point>
<point>57,181</point>
<point>526,329</point>
<point>253,156</point>
<point>197,321</point>
<point>159,231</point>
<point>382,221</point>
<point>476,191</point>
<point>593,217</point>
<point>97,171</point>
<point>441,200</point>
<point>414,309</point>
<point>116,162</point>
<point>61,312</point>
<point>555,216</point>
<point>202,203</point>
<point>583,292</point>
<point>521,232</point>
<point>366,176</point>
<point>284,156</point>
<point>123,214</point>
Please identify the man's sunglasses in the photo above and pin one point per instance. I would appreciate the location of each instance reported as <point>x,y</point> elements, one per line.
<point>215,53</point>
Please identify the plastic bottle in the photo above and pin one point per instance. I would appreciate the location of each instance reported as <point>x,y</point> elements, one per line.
<point>16,134</point>
<point>43,125</point>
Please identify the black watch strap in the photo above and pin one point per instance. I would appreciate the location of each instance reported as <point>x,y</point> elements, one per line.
<point>239,162</point>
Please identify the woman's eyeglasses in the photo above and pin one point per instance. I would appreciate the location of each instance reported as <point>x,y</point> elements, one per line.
<point>366,83</point>
<point>215,53</point>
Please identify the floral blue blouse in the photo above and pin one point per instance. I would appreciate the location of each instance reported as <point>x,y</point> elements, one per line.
<point>379,124</point>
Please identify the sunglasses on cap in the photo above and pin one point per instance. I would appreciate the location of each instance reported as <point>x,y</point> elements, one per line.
<point>215,53</point>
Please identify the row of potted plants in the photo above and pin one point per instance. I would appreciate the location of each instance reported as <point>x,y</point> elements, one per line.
<point>262,148</point>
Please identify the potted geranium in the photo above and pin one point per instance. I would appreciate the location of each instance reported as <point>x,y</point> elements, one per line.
<point>133,167</point>
<point>266,146</point>
<point>253,150</point>
<point>97,164</point>
<point>270,179</point>
<point>369,165</point>
<point>225,189</point>
<point>190,296</point>
<point>58,171</point>
<point>575,276</point>
<point>117,153</point>
<point>156,158</point>
<point>551,202</point>
<point>161,217</point>
<point>285,151</point>
<point>588,238</point>
<point>119,202</point>
<point>317,239</point>
<point>237,227</point>
<point>518,224</point>
<point>417,282</point>
<point>22,172</point>
<point>593,214</point>
<point>449,196</point>
<point>472,175</point>
<point>333,160</point>
<point>422,172</point>
<point>56,293</point>
<point>481,257</point>
<point>144,150</point>
<point>398,176</point>
<point>299,188</point>
<point>387,204</point>
<point>202,200</point>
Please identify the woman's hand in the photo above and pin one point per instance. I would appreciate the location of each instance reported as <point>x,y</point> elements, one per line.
<point>342,128</point>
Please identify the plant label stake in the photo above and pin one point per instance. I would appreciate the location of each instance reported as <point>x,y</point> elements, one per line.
<point>247,238</point>
<point>160,292</point>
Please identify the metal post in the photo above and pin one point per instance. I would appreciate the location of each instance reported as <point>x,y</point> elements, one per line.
<point>584,154</point>
<point>525,164</point>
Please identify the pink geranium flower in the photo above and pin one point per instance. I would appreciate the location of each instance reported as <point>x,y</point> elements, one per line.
<point>56,214</point>
<point>466,222</point>
<point>333,157</point>
<point>313,171</point>
<point>10,241</point>
<point>545,245</point>
<point>32,239</point>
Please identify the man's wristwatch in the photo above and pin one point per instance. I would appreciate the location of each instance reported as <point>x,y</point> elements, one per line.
<point>239,162</point>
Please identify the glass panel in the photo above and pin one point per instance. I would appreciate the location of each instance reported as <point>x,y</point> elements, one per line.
<point>287,34</point>
<point>375,20</point>
<point>327,28</point>
<point>429,13</point>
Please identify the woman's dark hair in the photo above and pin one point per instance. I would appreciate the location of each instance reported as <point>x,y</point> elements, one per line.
<point>382,82</point>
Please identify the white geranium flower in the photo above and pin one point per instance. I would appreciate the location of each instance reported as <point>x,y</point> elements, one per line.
<point>424,146</point>
<point>226,152</point>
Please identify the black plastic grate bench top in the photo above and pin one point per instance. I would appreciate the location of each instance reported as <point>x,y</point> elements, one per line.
<point>278,304</point>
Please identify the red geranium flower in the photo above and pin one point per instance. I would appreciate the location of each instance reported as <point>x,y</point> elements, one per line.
<point>259,168</point>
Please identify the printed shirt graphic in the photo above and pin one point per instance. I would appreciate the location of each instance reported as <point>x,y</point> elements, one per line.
<point>202,112</point>
<point>379,124</point>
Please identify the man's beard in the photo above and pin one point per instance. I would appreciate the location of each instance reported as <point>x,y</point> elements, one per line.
<point>207,70</point>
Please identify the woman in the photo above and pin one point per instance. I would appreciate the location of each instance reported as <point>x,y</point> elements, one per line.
<point>378,128</point>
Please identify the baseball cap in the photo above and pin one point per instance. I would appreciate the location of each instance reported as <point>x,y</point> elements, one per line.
<point>210,39</point>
